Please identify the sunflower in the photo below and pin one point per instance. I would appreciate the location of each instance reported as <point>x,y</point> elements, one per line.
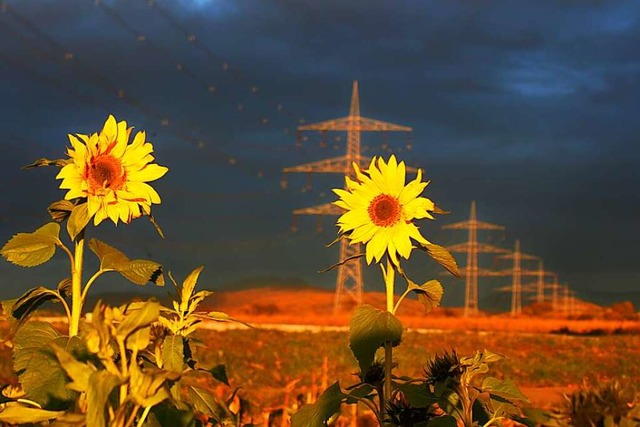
<point>381,208</point>
<point>111,173</point>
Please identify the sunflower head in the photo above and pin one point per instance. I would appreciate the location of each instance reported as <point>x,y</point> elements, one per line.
<point>380,209</point>
<point>443,367</point>
<point>111,173</point>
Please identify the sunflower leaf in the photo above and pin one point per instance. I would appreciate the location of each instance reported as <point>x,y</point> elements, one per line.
<point>32,249</point>
<point>60,210</point>
<point>317,414</point>
<point>18,413</point>
<point>31,300</point>
<point>440,211</point>
<point>138,271</point>
<point>47,162</point>
<point>443,257</point>
<point>429,293</point>
<point>139,318</point>
<point>109,256</point>
<point>369,329</point>
<point>78,220</point>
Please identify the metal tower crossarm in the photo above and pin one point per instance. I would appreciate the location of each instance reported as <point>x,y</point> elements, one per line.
<point>356,123</point>
<point>472,248</point>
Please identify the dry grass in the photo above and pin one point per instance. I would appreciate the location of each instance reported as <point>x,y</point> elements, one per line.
<point>315,307</point>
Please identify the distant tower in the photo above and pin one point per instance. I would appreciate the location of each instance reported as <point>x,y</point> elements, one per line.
<point>517,273</point>
<point>472,248</point>
<point>349,282</point>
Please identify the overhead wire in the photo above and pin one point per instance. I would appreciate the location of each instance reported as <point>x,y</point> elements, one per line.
<point>87,73</point>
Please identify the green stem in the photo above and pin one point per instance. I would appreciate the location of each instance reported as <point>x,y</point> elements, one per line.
<point>93,278</point>
<point>123,369</point>
<point>492,420</point>
<point>76,286</point>
<point>62,301</point>
<point>389,279</point>
<point>132,416</point>
<point>395,308</point>
<point>371,406</point>
<point>144,416</point>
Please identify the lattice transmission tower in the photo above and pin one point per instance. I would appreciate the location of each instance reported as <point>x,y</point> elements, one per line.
<point>517,272</point>
<point>472,248</point>
<point>349,281</point>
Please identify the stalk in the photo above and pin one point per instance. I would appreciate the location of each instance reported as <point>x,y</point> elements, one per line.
<point>76,286</point>
<point>389,278</point>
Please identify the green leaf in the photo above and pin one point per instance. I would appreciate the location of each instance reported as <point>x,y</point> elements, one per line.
<point>33,335</point>
<point>188,286</point>
<point>60,210</point>
<point>78,372</point>
<point>109,256</point>
<point>219,316</point>
<point>429,293</point>
<point>78,220</point>
<point>40,373</point>
<point>31,249</point>
<point>138,318</point>
<point>503,388</point>
<point>17,413</point>
<point>138,271</point>
<point>204,402</point>
<point>443,257</point>
<point>139,340</point>
<point>64,287</point>
<point>317,414</point>
<point>102,384</point>
<point>173,353</point>
<point>47,162</point>
<point>31,300</point>
<point>219,372</point>
<point>141,272</point>
<point>369,329</point>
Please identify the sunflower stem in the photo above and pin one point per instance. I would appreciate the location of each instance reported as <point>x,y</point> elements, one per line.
<point>389,278</point>
<point>76,286</point>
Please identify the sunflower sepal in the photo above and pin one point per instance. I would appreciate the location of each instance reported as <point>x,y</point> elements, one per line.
<point>78,220</point>
<point>60,210</point>
<point>442,256</point>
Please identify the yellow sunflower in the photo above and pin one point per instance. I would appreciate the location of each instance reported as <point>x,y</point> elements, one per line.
<point>381,208</point>
<point>111,173</point>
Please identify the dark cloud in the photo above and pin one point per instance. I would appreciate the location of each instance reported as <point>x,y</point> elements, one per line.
<point>528,108</point>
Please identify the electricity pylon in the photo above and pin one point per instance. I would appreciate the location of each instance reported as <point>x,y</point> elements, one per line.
<point>472,248</point>
<point>554,291</point>
<point>349,281</point>
<point>540,285</point>
<point>517,273</point>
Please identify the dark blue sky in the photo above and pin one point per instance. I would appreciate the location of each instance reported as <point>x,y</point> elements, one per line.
<point>530,108</point>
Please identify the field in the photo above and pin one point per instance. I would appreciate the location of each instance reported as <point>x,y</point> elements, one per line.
<point>297,348</point>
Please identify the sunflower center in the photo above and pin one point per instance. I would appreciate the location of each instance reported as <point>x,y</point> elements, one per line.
<point>384,210</point>
<point>105,172</point>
